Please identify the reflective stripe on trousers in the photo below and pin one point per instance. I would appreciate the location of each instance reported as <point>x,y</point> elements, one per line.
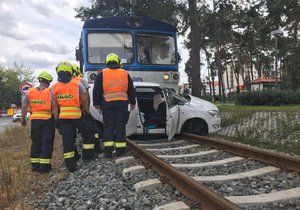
<point>121,144</point>
<point>45,161</point>
<point>35,160</point>
<point>69,154</point>
<point>88,146</point>
<point>108,143</point>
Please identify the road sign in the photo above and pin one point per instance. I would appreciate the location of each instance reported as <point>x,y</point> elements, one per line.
<point>24,87</point>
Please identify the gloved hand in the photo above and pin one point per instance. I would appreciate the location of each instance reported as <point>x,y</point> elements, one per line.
<point>98,108</point>
<point>23,122</point>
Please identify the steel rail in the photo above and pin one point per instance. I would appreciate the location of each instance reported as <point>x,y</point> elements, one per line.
<point>279,160</point>
<point>198,192</point>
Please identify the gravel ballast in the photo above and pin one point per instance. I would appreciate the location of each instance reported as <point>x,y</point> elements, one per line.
<point>229,168</point>
<point>204,158</point>
<point>99,184</point>
<point>276,181</point>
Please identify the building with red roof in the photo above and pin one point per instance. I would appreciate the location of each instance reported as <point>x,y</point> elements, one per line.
<point>263,83</point>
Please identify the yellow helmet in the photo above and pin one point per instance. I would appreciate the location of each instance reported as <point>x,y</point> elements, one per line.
<point>65,66</point>
<point>76,70</point>
<point>45,76</point>
<point>112,57</point>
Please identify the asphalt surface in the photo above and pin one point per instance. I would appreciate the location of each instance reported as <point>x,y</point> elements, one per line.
<point>5,122</point>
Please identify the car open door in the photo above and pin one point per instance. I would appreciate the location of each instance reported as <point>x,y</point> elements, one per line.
<point>131,126</point>
<point>172,115</point>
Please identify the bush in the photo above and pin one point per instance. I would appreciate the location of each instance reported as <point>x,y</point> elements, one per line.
<point>268,97</point>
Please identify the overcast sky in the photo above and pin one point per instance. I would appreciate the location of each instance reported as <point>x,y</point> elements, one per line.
<point>41,33</point>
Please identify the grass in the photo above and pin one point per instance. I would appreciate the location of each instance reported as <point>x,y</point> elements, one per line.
<point>234,117</point>
<point>232,107</point>
<point>16,178</point>
<point>285,147</point>
<point>276,138</point>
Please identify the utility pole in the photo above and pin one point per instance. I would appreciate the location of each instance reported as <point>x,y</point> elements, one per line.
<point>195,49</point>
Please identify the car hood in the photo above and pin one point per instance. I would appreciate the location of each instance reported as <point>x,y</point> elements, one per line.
<point>198,103</point>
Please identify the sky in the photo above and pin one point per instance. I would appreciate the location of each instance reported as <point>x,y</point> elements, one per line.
<point>41,33</point>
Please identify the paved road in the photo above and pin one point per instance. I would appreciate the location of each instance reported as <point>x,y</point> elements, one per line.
<point>4,122</point>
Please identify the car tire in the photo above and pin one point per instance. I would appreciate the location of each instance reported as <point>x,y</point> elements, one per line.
<point>195,126</point>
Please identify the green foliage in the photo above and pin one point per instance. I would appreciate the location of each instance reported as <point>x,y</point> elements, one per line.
<point>233,35</point>
<point>10,80</point>
<point>170,11</point>
<point>268,97</point>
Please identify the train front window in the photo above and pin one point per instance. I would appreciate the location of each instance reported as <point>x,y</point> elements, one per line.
<point>153,49</point>
<point>101,44</point>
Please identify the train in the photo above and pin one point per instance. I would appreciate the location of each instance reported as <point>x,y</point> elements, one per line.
<point>147,48</point>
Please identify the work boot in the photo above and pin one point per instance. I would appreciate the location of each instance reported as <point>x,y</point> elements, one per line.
<point>87,154</point>
<point>71,164</point>
<point>35,167</point>
<point>120,152</point>
<point>45,168</point>
<point>108,154</point>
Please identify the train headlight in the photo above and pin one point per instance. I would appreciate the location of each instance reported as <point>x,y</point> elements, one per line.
<point>93,76</point>
<point>175,76</point>
<point>166,76</point>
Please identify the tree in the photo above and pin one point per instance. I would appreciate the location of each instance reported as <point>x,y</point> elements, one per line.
<point>170,11</point>
<point>10,80</point>
<point>195,49</point>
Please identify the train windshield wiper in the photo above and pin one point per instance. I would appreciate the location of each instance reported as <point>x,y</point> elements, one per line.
<point>125,47</point>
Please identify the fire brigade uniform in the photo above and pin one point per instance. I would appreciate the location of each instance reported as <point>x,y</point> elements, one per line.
<point>112,90</point>
<point>67,97</point>
<point>78,78</point>
<point>42,126</point>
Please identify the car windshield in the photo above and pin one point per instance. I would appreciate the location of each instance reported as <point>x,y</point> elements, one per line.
<point>153,49</point>
<point>101,44</point>
<point>179,97</point>
<point>19,112</point>
<point>173,98</point>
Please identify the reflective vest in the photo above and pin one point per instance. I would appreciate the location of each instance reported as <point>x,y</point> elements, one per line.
<point>67,97</point>
<point>77,80</point>
<point>40,103</point>
<point>115,84</point>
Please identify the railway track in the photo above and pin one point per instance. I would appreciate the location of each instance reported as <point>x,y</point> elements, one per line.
<point>213,174</point>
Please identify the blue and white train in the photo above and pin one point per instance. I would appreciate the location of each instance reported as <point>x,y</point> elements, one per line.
<point>147,48</point>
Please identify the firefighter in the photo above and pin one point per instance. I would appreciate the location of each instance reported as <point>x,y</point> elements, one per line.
<point>78,77</point>
<point>113,89</point>
<point>42,123</point>
<point>69,104</point>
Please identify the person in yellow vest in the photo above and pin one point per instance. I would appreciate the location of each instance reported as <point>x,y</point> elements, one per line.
<point>78,78</point>
<point>113,90</point>
<point>42,123</point>
<point>69,102</point>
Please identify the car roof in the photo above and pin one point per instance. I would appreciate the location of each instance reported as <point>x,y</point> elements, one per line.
<point>145,84</point>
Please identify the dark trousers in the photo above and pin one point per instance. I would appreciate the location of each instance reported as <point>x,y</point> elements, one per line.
<point>42,135</point>
<point>115,117</point>
<point>68,130</point>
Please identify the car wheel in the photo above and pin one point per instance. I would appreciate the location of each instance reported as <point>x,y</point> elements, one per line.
<point>196,126</point>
